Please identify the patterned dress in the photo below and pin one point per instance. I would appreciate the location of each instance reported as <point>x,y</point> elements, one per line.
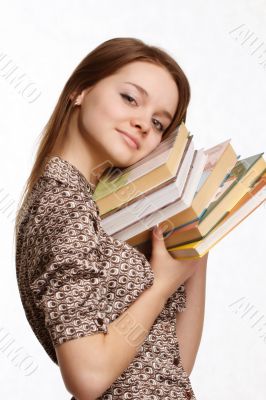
<point>74,280</point>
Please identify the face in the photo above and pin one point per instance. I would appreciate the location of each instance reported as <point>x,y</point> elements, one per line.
<point>139,101</point>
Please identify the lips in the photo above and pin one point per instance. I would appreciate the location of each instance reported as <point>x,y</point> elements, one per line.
<point>135,140</point>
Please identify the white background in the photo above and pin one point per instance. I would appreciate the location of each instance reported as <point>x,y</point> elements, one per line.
<point>46,40</point>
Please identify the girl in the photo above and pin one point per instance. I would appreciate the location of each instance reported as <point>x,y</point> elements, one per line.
<point>107,316</point>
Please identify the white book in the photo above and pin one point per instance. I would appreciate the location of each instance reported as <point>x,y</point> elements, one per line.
<point>151,202</point>
<point>175,207</point>
<point>222,229</point>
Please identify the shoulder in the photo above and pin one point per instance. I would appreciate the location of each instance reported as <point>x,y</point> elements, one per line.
<point>56,211</point>
<point>52,194</point>
<point>62,202</point>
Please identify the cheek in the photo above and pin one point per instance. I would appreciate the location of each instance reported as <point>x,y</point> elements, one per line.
<point>114,110</point>
<point>94,114</point>
<point>154,142</point>
<point>108,107</point>
<point>149,147</point>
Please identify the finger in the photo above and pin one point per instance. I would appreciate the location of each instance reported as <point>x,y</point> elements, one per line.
<point>158,243</point>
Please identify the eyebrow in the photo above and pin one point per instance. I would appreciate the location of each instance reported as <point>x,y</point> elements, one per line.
<point>143,91</point>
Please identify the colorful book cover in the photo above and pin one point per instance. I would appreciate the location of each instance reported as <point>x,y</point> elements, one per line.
<point>213,155</point>
<point>238,172</point>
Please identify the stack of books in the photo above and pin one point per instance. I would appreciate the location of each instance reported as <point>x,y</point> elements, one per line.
<point>197,196</point>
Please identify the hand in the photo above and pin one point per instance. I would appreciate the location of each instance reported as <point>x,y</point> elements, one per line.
<point>169,273</point>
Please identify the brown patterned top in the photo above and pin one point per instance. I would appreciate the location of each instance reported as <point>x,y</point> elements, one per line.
<point>74,279</point>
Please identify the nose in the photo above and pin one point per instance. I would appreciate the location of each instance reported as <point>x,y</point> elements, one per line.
<point>141,123</point>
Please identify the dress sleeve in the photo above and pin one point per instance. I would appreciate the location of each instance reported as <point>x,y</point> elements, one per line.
<point>67,283</point>
<point>177,302</point>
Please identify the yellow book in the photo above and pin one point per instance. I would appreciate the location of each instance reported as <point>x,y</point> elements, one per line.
<point>220,161</point>
<point>238,183</point>
<point>201,247</point>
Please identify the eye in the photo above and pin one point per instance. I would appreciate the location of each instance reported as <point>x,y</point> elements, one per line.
<point>129,98</point>
<point>161,128</point>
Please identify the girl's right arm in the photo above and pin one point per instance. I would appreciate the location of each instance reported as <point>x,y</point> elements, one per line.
<point>90,365</point>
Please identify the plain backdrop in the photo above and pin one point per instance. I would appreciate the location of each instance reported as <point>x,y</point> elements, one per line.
<point>220,46</point>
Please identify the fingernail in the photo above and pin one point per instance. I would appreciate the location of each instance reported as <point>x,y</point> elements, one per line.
<point>159,229</point>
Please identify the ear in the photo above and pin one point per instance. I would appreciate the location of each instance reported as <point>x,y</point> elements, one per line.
<point>77,97</point>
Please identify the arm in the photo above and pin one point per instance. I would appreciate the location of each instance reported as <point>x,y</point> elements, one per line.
<point>189,324</point>
<point>91,364</point>
<point>91,349</point>
<point>71,296</point>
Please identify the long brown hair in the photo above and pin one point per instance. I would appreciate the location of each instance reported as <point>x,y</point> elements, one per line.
<point>100,63</point>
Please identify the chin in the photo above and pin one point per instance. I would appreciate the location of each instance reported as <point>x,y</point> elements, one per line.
<point>122,158</point>
<point>118,162</point>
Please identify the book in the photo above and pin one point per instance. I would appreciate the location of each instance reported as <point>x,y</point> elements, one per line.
<point>259,183</point>
<point>246,206</point>
<point>144,206</point>
<point>118,189</point>
<point>199,197</point>
<point>220,160</point>
<point>140,231</point>
<point>236,185</point>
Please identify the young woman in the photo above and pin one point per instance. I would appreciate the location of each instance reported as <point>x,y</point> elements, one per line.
<point>109,318</point>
